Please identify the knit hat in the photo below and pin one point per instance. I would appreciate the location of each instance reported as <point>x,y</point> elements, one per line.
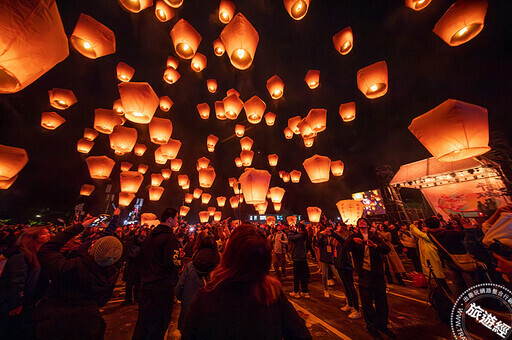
<point>106,251</point>
<point>206,260</point>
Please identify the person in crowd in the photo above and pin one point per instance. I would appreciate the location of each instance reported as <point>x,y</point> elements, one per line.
<point>392,262</point>
<point>326,245</point>
<point>504,266</point>
<point>280,243</point>
<point>298,237</point>
<point>367,248</point>
<point>133,267</point>
<point>410,244</point>
<point>161,262</point>
<point>79,286</point>
<point>242,300</point>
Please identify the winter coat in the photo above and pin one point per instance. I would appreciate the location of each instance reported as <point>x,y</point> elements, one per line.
<point>428,251</point>
<point>133,256</point>
<point>324,243</point>
<point>280,242</point>
<point>299,245</point>
<point>395,265</point>
<point>407,239</point>
<point>343,260</point>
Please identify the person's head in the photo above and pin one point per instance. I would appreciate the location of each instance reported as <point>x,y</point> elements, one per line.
<point>382,227</point>
<point>106,251</point>
<point>30,241</point>
<point>432,222</point>
<point>169,217</point>
<point>363,223</point>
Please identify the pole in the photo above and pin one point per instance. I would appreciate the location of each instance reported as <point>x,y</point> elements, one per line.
<point>239,204</point>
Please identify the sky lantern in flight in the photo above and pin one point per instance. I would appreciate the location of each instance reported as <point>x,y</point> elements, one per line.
<point>92,39</point>
<point>232,106</point>
<point>350,211</point>
<point>417,5</point>
<point>86,189</point>
<point>130,181</point>
<point>105,120</point>
<point>142,168</point>
<point>118,107</point>
<point>212,210</point>
<point>211,85</point>
<point>100,167</point>
<point>197,193</point>
<point>297,9</point>
<point>237,188</point>
<point>211,141</point>
<point>174,3</point>
<point>312,79</point>
<point>184,210</point>
<point>159,156</point>
<point>246,143</point>
<point>123,139</point>
<point>139,101</point>
<point>205,198</point>
<point>198,62</point>
<point>165,103</point>
<point>348,112</point>
<point>188,198</point>
<point>305,129</point>
<point>240,39</point>
<point>232,91</point>
<point>239,130</point>
<point>90,134</point>
<point>270,118</point>
<point>272,159</point>
<point>61,99</point>
<point>171,75</point>
<point>276,194</point>
<point>314,214</point>
<point>33,41</point>
<point>126,166</point>
<point>317,168</point>
<point>261,208</point>
<point>204,110</point>
<point>286,177</point>
<point>453,131</point>
<point>232,181</point>
<point>202,163</point>
<point>254,109</point>
<point>255,185</point>
<point>4,185</point>
<point>288,133</point>
<point>463,21</point>
<point>221,201</point>
<point>155,193</point>
<point>344,40</point>
<point>219,110</point>
<point>185,38</point>
<point>292,124</point>
<point>51,120</point>
<point>176,164</point>
<point>84,146</point>
<point>246,157</point>
<point>291,220</point>
<point>218,47</point>
<point>317,119</point>
<point>206,177</point>
<point>171,149</point>
<point>226,11</point>
<point>217,216</point>
<point>166,173</point>
<point>156,179</point>
<point>186,186</point>
<point>204,216</point>
<point>160,130</point>
<point>139,149</point>
<point>277,207</point>
<point>238,162</point>
<point>12,160</point>
<point>172,62</point>
<point>163,12</point>
<point>125,199</point>
<point>124,71</point>
<point>234,201</point>
<point>337,168</point>
<point>308,142</point>
<point>295,176</point>
<point>372,80</point>
<point>135,6</point>
<point>275,87</point>
<point>182,180</point>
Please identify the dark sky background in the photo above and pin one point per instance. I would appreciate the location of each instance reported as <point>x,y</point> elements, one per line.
<point>423,72</point>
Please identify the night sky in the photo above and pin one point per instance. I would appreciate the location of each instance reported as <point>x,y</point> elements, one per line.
<point>423,72</point>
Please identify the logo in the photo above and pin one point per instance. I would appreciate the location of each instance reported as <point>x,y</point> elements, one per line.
<point>483,311</point>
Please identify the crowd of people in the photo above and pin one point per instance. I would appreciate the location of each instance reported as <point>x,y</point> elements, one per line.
<point>54,279</point>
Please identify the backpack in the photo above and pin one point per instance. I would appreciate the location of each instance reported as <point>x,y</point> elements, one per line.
<point>419,280</point>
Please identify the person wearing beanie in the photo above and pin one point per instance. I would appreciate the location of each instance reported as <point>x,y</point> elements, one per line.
<point>79,286</point>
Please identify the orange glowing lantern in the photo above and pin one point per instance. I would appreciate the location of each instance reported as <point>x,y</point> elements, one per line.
<point>33,41</point>
<point>197,193</point>
<point>463,21</point>
<point>126,166</point>
<point>182,180</point>
<point>239,130</point>
<point>211,84</point>
<point>204,110</point>
<point>86,189</point>
<point>344,40</point>
<point>84,146</point>
<point>277,207</point>
<point>261,208</point>
<point>238,162</point>
<point>306,130</point>
<point>275,87</point>
<point>171,149</point>
<point>372,80</point>
<point>241,40</point>
<point>288,133</point>
<point>135,6</point>
<point>176,164</point>
<point>348,111</point>
<point>130,181</point>
<point>232,91</point>
<point>254,109</point>
<point>202,163</point>
<point>234,201</point>
<point>159,157</point>
<point>139,149</point>
<point>276,194</point>
<point>286,177</point>
<point>166,173</point>
<point>51,120</point>
<point>139,101</point>
<point>219,110</point>
<point>246,157</point>
<point>198,62</point>
<point>124,71</point>
<point>90,134</point>
<point>293,124</point>
<point>308,142</point>
<point>171,75</point>
<point>417,5</point>
<point>205,198</point>
<point>314,214</point>
<point>100,167</point>
<point>206,177</point>
<point>156,179</point>
<point>160,130</point>
<point>237,189</point>
<point>165,103</point>
<point>188,198</point>
<point>453,131</point>
<point>218,47</point>
<point>271,220</point>
<point>231,181</point>
<point>281,173</point>
<point>61,98</point>
<point>312,79</point>
<point>232,106</point>
<point>273,159</point>
<point>255,185</point>
<point>163,12</point>
<point>204,216</point>
<point>337,168</point>
<point>172,62</point>
<point>149,219</point>
<point>295,176</point>
<point>297,9</point>
<point>292,220</point>
<point>226,11</point>
<point>221,201</point>
<point>317,168</point>
<point>142,168</point>
<point>125,199</point>
<point>212,210</point>
<point>317,119</point>
<point>184,210</point>
<point>92,39</point>
<point>350,210</point>
<point>185,38</point>
<point>211,141</point>
<point>217,216</point>
<point>246,143</point>
<point>270,118</point>
<point>155,193</point>
<point>118,107</point>
<point>174,3</point>
<point>123,139</point>
<point>12,160</point>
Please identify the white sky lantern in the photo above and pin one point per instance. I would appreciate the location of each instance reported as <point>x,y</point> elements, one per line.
<point>237,189</point>
<point>204,216</point>
<point>348,111</point>
<point>185,38</point>
<point>166,173</point>
<point>417,5</point>
<point>184,210</point>
<point>142,168</point>
<point>211,141</point>
<point>312,79</point>
<point>155,193</point>
<point>188,198</point>
<point>197,193</point>
<point>86,189</point>
<point>105,120</point>
<point>182,180</point>
<point>130,181</point>
<point>84,146</point>
<point>318,168</point>
<point>270,118</point>
<point>92,39</point>
<point>186,186</point>
<point>295,176</point>
<point>174,3</point>
<point>204,110</point>
<point>211,85</point>
<point>292,124</point>
<point>286,177</point>
<point>238,162</point>
<point>372,80</point>
<point>221,201</point>
<point>239,130</point>
<point>218,47</point>
<point>160,130</point>
<point>118,107</point>
<point>205,198</point>
<point>308,142</point>
<point>276,194</point>
<point>305,129</point>
<point>90,134</point>
<point>159,157</point>
<point>453,131</point>
<point>139,101</point>
<point>171,75</point>
<point>176,164</point>
<point>125,199</point>
<point>163,12</point>
<point>156,179</point>
<point>202,163</point>
<point>275,87</point>
<point>198,62</point>
<point>100,167</point>
<point>246,143</point>
<point>240,39</point>
<point>12,160</point>
<point>219,110</point>
<point>135,6</point>
<point>232,181</point>
<point>226,11</point>
<point>217,216</point>
<point>212,210</point>
<point>61,99</point>
<point>234,202</point>
<point>314,214</point>
<point>297,9</point>
<point>123,139</point>
<point>337,168</point>
<point>171,149</point>
<point>273,159</point>
<point>172,62</point>
<point>277,207</point>
<point>51,120</point>
<point>206,177</point>
<point>254,109</point>
<point>350,210</point>
<point>232,106</point>
<point>255,185</point>
<point>165,103</point>
<point>139,149</point>
<point>232,91</point>
<point>317,119</point>
<point>344,40</point>
<point>246,157</point>
<point>126,166</point>
<point>124,71</point>
<point>261,208</point>
<point>288,133</point>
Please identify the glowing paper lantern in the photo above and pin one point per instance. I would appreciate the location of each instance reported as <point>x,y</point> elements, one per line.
<point>124,71</point>
<point>84,146</point>
<point>246,157</point>
<point>204,110</point>
<point>231,181</point>
<point>275,87</point>
<point>118,107</point>
<point>51,120</point>
<point>238,162</point>
<point>293,124</point>
<point>185,39</point>
<point>160,130</point>
<point>139,101</point>
<point>453,131</point>
<point>246,143</point>
<point>159,156</point>
<point>198,62</point>
<point>372,80</point>
<point>172,62</point>
<point>271,220</point>
<point>218,47</point>
<point>337,168</point>
<point>197,193</point>
<point>273,159</point>
<point>219,110</point>
<point>255,185</point>
<point>240,39</point>
<point>184,210</point>
<point>86,189</point>
<point>308,142</point>
<point>211,84</point>
<point>312,79</point>
<point>142,168</point>
<point>297,9</point>
<point>166,173</point>
<point>202,163</point>
<point>226,11</point>
<point>126,166</point>
<point>12,160</point>
<point>211,141</point>
<point>286,177</point>
<point>232,92</point>
<point>344,40</point>
<point>205,198</point>
<point>163,12</point>
<point>139,149</point>
<point>149,219</point>
<point>288,133</point>
<point>254,109</point>
<point>348,111</point>
<point>276,194</point>
<point>417,5</point>
<point>292,220</point>
<point>270,118</point>
<point>135,6</point>
<point>239,130</point>
<point>314,214</point>
<point>463,21</point>
<point>100,167</point>
<point>217,216</point>
<point>221,201</point>
<point>165,103</point>
<point>61,98</point>
<point>261,208</point>
<point>188,198</point>
<point>174,3</point>
<point>277,207</point>
<point>206,177</point>
<point>182,180</point>
<point>350,210</point>
<point>125,199</point>
<point>90,134</point>
<point>176,164</point>
<point>234,201</point>
<point>295,176</point>
<point>130,181</point>
<point>232,106</point>
<point>123,139</point>
<point>237,189</point>
<point>281,173</point>
<point>156,179</point>
<point>317,119</point>
<point>317,168</point>
<point>204,216</point>
<point>155,193</point>
<point>92,39</point>
<point>305,129</point>
<point>171,149</point>
<point>32,42</point>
